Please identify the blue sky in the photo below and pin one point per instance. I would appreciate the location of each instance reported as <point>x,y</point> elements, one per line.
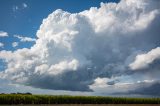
<point>16,19</point>
<point>26,20</point>
<point>83,47</point>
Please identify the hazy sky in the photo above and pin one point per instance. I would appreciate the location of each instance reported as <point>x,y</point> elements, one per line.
<point>85,47</point>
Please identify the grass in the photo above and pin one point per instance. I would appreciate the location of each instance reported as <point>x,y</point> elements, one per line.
<point>46,99</point>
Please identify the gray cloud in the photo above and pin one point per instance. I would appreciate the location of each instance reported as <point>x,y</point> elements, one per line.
<point>143,89</point>
<point>152,90</point>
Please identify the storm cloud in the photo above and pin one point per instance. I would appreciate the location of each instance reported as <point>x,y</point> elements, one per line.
<point>104,46</point>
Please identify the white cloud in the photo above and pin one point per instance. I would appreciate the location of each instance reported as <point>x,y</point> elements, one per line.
<point>14,44</point>
<point>100,82</point>
<point>68,43</point>
<point>25,39</point>
<point>63,66</point>
<point>25,5</point>
<point>121,88</point>
<point>3,34</point>
<point>144,60</point>
<point>100,85</point>
<point>1,45</point>
<point>16,8</point>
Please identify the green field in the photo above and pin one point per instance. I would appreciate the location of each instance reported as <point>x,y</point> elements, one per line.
<point>46,99</point>
<point>90,105</point>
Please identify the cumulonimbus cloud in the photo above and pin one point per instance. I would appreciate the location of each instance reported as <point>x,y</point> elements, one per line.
<point>74,49</point>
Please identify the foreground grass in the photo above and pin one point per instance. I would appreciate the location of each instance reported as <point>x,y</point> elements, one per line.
<point>45,99</point>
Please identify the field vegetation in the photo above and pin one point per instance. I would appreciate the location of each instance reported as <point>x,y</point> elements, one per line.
<point>46,99</point>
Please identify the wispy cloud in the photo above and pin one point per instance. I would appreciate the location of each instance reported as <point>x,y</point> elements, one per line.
<point>1,45</point>
<point>14,44</point>
<point>25,39</point>
<point>3,34</point>
<point>15,8</point>
<point>19,7</point>
<point>24,5</point>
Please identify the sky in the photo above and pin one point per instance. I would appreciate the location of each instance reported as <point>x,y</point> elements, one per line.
<point>87,47</point>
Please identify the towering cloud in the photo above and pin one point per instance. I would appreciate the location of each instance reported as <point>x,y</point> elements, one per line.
<point>75,51</point>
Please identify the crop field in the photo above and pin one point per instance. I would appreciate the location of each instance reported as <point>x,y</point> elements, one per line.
<point>9,99</point>
<point>89,105</point>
